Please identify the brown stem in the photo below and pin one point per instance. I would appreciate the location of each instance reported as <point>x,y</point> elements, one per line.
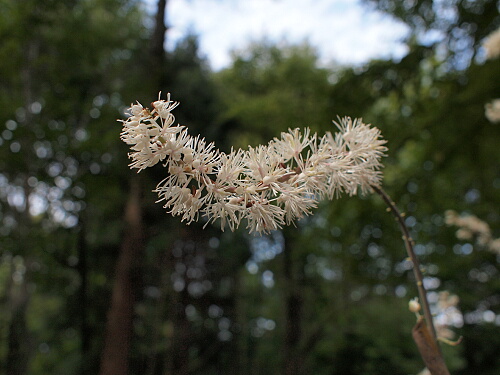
<point>411,253</point>
<point>429,349</point>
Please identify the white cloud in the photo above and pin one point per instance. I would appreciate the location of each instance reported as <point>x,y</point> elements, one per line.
<point>341,30</point>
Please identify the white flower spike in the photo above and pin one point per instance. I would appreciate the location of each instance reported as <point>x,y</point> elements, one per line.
<point>268,185</point>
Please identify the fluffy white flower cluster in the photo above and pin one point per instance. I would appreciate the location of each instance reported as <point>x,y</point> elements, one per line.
<point>492,45</point>
<point>492,111</point>
<point>471,226</point>
<point>267,186</point>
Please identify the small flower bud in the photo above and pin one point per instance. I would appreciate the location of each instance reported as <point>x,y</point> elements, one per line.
<point>251,189</point>
<point>414,305</point>
<point>234,200</point>
<point>188,156</point>
<point>267,180</point>
<point>136,109</point>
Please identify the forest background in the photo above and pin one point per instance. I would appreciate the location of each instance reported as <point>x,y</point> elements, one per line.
<point>96,278</point>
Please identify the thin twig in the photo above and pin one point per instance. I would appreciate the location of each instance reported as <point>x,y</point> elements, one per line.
<point>411,253</point>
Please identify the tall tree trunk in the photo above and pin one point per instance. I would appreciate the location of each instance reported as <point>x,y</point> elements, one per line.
<point>181,336</point>
<point>157,51</point>
<point>119,320</point>
<point>293,358</point>
<point>177,359</point>
<point>116,350</point>
<point>19,351</point>
<point>242,343</point>
<point>82,268</point>
<point>18,339</point>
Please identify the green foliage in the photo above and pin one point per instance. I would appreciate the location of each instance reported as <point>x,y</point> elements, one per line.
<point>270,89</point>
<point>456,27</point>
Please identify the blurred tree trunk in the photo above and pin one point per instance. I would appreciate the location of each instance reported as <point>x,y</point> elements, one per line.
<point>242,342</point>
<point>119,327</point>
<point>120,315</point>
<point>181,336</point>
<point>82,268</point>
<point>293,358</point>
<point>18,338</point>
<point>177,360</point>
<point>157,51</point>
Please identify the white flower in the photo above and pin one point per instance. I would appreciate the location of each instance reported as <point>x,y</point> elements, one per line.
<point>263,217</point>
<point>414,305</point>
<point>471,226</point>
<point>227,210</point>
<point>180,201</point>
<point>203,158</point>
<point>229,171</point>
<point>263,163</point>
<point>164,107</point>
<point>266,185</point>
<point>492,111</point>
<point>492,45</point>
<point>291,144</point>
<point>151,141</point>
<point>296,204</point>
